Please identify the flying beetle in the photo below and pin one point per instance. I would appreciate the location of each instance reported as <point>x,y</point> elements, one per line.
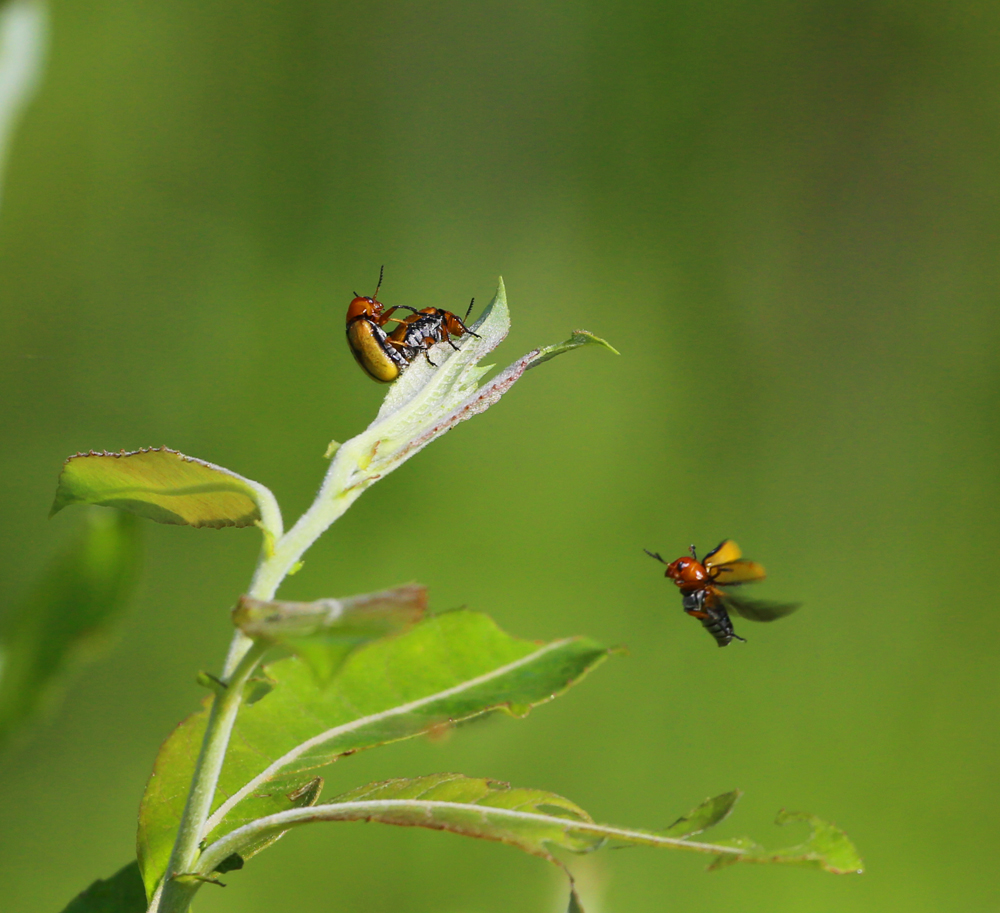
<point>705,594</point>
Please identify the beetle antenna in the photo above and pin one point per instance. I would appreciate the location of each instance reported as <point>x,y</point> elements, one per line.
<point>381,272</point>
<point>461,323</point>
<point>655,555</point>
<point>694,554</point>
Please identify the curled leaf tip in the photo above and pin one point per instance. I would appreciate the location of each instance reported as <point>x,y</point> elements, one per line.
<point>166,486</point>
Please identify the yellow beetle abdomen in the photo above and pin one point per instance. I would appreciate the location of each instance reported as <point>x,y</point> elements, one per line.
<point>377,357</point>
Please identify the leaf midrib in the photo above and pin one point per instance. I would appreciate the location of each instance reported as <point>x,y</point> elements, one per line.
<point>275,767</point>
<point>368,809</point>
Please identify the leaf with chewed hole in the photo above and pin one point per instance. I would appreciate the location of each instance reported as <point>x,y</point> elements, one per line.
<point>532,820</point>
<point>827,848</point>
<point>168,487</point>
<point>447,668</point>
<point>325,632</point>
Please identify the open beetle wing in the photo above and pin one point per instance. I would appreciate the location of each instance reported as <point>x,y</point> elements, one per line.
<point>723,553</point>
<point>737,572</point>
<point>756,609</point>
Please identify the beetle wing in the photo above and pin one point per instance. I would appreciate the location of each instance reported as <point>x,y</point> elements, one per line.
<point>736,572</point>
<point>756,609</point>
<point>723,553</point>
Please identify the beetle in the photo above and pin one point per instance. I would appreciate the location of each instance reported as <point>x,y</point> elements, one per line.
<point>424,329</point>
<point>703,597</point>
<point>366,316</point>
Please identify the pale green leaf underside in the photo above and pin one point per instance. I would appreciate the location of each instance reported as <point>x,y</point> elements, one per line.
<point>162,485</point>
<point>427,402</point>
<point>447,668</point>
<point>532,820</point>
<point>66,617</point>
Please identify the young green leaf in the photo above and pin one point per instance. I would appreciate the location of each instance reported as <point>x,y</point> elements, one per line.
<point>168,487</point>
<point>66,618</point>
<point>428,401</point>
<point>325,632</point>
<point>121,893</point>
<point>827,848</point>
<point>447,668</point>
<point>531,820</point>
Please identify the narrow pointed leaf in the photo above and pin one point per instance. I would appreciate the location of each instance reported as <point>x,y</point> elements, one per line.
<point>445,669</point>
<point>121,893</point>
<point>168,487</point>
<point>531,820</point>
<point>325,632</point>
<point>706,815</point>
<point>66,618</point>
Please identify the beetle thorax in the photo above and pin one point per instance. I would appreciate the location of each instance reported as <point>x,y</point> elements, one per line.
<point>688,574</point>
<point>368,307</point>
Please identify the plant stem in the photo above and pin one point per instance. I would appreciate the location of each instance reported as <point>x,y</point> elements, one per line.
<point>176,893</point>
<point>335,496</point>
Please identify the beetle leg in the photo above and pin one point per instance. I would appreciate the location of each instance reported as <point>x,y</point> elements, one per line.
<point>446,337</point>
<point>386,315</point>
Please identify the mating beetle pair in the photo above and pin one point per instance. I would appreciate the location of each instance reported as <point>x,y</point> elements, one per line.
<point>382,355</point>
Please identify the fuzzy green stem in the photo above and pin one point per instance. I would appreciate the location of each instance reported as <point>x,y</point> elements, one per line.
<point>335,496</point>
<point>177,894</point>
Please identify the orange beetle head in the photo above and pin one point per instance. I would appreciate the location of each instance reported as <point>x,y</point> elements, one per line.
<point>453,325</point>
<point>368,307</point>
<point>687,573</point>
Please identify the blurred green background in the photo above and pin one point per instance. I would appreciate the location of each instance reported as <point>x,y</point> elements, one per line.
<point>785,215</point>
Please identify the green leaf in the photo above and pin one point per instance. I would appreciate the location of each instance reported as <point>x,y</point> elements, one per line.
<point>66,618</point>
<point>447,668</point>
<point>325,632</point>
<point>706,815</point>
<point>827,848</point>
<point>168,487</point>
<point>531,820</point>
<point>121,893</point>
